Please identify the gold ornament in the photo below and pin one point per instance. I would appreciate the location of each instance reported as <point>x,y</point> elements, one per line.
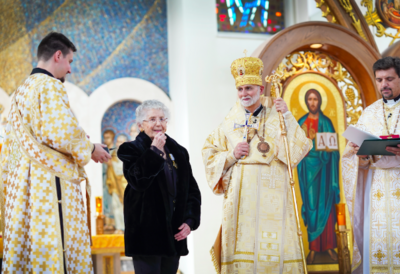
<point>247,71</point>
<point>302,62</point>
<point>263,147</point>
<point>326,11</point>
<point>374,18</point>
<point>356,22</point>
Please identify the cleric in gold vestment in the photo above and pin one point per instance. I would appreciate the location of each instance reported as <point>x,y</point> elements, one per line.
<point>258,226</point>
<point>44,218</point>
<point>372,183</point>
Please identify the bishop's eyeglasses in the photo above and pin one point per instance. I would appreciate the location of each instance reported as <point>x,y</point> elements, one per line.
<point>153,121</point>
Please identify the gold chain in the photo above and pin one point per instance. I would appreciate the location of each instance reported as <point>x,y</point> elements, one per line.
<point>384,118</point>
<point>264,118</point>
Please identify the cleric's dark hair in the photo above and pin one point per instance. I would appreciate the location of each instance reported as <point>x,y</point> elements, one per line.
<point>387,63</point>
<point>53,42</point>
<point>316,92</point>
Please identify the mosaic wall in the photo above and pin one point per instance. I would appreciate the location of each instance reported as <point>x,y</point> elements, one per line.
<point>121,118</point>
<point>118,126</point>
<point>124,38</point>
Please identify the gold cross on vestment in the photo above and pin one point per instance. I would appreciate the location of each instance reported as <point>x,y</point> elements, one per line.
<point>379,225</point>
<point>379,255</point>
<point>397,193</point>
<point>378,195</point>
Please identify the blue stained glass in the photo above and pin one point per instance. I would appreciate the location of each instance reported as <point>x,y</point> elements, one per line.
<point>251,16</point>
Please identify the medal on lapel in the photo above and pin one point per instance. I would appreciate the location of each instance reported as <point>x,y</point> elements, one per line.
<point>173,161</point>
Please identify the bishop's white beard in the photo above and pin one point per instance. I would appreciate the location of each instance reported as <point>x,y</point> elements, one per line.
<point>252,100</point>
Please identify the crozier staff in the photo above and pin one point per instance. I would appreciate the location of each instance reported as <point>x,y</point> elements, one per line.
<point>162,200</point>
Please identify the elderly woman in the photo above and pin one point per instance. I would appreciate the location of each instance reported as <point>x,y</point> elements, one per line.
<point>162,200</point>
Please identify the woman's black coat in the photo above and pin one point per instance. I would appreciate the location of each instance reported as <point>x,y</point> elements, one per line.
<point>149,231</point>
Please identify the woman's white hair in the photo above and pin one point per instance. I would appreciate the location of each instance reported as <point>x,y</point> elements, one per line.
<point>147,105</point>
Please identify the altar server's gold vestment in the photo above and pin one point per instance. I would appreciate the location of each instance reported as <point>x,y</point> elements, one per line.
<point>259,232</point>
<point>382,175</point>
<point>43,141</point>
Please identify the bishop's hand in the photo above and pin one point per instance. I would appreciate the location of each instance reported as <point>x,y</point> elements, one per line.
<point>241,149</point>
<point>280,105</point>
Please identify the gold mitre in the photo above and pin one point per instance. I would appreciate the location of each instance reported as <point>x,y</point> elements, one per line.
<point>247,71</point>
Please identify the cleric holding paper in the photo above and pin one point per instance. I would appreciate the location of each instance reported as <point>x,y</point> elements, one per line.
<point>44,219</point>
<point>162,200</point>
<point>372,183</point>
<point>245,160</point>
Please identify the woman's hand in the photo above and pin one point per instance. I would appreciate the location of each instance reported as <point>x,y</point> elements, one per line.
<point>159,141</point>
<point>185,231</point>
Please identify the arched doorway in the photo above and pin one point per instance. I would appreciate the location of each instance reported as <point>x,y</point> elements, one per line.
<point>118,126</point>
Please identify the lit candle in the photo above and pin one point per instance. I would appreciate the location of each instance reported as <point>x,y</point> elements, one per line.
<point>341,214</point>
<point>99,205</point>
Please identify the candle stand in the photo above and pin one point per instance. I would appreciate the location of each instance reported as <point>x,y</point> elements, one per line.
<point>343,240</point>
<point>100,218</point>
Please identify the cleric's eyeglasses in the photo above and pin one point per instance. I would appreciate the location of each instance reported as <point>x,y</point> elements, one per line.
<point>153,121</point>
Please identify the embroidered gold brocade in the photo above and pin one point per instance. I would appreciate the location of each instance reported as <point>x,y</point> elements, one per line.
<point>385,191</point>
<point>258,225</point>
<point>43,140</point>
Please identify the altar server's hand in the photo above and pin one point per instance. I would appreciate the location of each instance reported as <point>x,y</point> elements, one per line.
<point>185,231</point>
<point>241,149</point>
<point>280,105</point>
<point>99,154</point>
<point>356,148</point>
<point>394,150</point>
<point>159,141</point>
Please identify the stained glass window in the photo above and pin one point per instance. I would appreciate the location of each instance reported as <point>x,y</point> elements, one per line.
<point>250,16</point>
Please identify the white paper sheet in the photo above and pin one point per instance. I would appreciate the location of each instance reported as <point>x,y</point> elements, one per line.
<point>357,136</point>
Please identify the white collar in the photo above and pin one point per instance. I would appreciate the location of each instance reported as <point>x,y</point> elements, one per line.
<point>390,103</point>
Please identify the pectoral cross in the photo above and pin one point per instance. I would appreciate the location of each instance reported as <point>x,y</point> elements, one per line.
<point>246,125</point>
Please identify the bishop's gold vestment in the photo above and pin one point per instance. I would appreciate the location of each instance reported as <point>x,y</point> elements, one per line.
<point>43,141</point>
<point>372,190</point>
<point>259,233</point>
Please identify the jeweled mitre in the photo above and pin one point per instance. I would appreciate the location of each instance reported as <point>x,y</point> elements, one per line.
<point>247,71</point>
